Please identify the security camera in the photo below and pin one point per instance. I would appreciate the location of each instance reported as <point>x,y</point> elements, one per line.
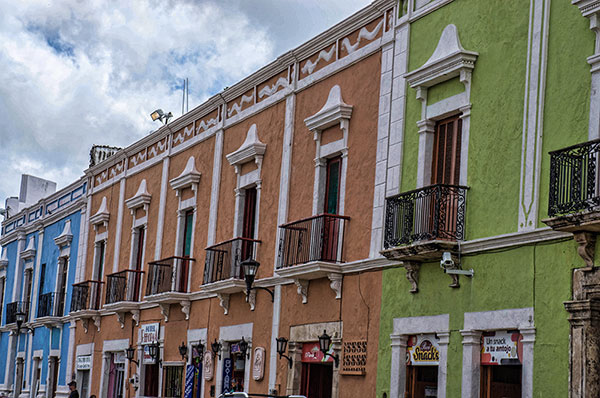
<point>447,262</point>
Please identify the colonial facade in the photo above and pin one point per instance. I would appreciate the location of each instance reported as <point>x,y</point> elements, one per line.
<point>391,180</point>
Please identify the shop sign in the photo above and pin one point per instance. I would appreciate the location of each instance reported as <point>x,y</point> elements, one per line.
<point>84,362</point>
<point>150,334</point>
<point>190,372</point>
<point>119,357</point>
<point>227,373</point>
<point>501,348</point>
<point>423,350</point>
<point>311,352</point>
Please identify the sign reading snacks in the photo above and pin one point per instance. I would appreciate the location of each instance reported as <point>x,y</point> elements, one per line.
<point>84,362</point>
<point>423,350</point>
<point>354,358</point>
<point>501,348</point>
<point>312,353</point>
<point>149,336</point>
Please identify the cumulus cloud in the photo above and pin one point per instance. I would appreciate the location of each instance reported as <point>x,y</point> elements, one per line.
<point>78,73</point>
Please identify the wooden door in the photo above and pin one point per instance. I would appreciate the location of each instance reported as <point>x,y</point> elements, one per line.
<point>501,381</point>
<point>316,380</point>
<point>330,225</point>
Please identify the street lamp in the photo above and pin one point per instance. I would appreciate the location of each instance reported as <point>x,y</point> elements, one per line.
<point>153,350</point>
<point>129,352</point>
<point>244,348</point>
<point>197,354</point>
<point>325,345</point>
<point>281,345</point>
<point>216,348</point>
<point>250,267</point>
<point>20,318</point>
<point>183,350</point>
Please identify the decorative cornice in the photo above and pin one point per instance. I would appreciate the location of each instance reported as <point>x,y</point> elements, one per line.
<point>334,111</point>
<point>587,7</point>
<point>66,236</point>
<point>140,199</point>
<point>29,251</point>
<point>251,150</point>
<point>448,60</point>
<point>189,177</point>
<point>102,215</point>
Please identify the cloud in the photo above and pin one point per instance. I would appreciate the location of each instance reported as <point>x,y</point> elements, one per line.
<point>78,73</point>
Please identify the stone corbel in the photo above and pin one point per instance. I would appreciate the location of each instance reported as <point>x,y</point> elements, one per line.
<point>412,274</point>
<point>84,323</point>
<point>224,302</point>
<point>164,310</point>
<point>336,284</point>
<point>251,299</point>
<point>586,248</point>
<point>97,321</point>
<point>185,308</point>
<point>302,286</point>
<point>135,315</point>
<point>121,319</point>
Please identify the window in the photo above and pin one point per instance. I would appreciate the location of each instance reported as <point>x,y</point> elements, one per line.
<point>138,259</point>
<point>63,265</point>
<point>27,292</point>
<point>249,222</point>
<point>186,250</point>
<point>332,187</point>
<point>151,380</point>
<point>422,363</point>
<point>501,364</point>
<point>445,166</point>
<point>116,375</point>
<point>173,381</point>
<point>2,284</point>
<point>99,272</point>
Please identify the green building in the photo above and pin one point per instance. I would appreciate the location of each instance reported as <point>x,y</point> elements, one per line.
<point>491,298</point>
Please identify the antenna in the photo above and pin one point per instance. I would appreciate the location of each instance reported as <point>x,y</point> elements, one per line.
<point>185,99</point>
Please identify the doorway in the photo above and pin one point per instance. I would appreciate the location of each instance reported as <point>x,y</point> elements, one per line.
<point>316,380</point>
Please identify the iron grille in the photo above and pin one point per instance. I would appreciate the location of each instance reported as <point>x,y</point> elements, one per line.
<point>123,286</point>
<point>168,275</point>
<point>86,296</point>
<point>12,309</point>
<point>429,213</point>
<point>574,179</point>
<point>223,260</point>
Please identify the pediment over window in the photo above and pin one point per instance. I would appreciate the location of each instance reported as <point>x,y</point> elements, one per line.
<point>448,61</point>
<point>333,112</point>
<point>102,215</point>
<point>140,199</point>
<point>251,150</point>
<point>65,237</point>
<point>29,251</point>
<point>189,177</point>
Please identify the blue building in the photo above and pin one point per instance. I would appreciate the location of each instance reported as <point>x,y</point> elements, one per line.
<point>41,243</point>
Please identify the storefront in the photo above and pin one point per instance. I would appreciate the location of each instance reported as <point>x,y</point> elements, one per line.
<point>501,369</point>
<point>422,363</point>
<point>317,372</point>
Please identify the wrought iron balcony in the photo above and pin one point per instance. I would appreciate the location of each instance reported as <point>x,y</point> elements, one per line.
<point>436,212</point>
<point>317,238</point>
<point>169,275</point>
<point>86,296</point>
<point>12,309</point>
<point>123,286</point>
<point>50,304</point>
<point>574,179</point>
<point>223,260</point>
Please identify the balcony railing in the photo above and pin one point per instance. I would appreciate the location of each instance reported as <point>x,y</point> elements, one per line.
<point>318,238</point>
<point>12,309</point>
<point>50,304</point>
<point>123,286</point>
<point>574,179</point>
<point>168,275</point>
<point>223,260</point>
<point>430,213</point>
<point>86,296</point>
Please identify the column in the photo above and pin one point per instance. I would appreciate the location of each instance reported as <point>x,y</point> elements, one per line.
<point>398,366</point>
<point>471,361</point>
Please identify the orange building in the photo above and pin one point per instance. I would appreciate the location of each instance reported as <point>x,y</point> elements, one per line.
<point>288,168</point>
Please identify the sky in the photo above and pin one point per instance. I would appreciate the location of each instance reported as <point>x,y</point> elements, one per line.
<point>83,72</point>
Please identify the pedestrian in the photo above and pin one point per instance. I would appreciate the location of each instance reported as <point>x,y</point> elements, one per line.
<point>73,389</point>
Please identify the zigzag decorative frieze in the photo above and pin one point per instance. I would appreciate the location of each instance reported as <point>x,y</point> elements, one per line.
<point>310,66</point>
<point>180,137</point>
<point>363,34</point>
<point>140,158</point>
<point>100,178</point>
<point>116,170</point>
<point>237,107</point>
<point>269,91</point>
<point>205,125</point>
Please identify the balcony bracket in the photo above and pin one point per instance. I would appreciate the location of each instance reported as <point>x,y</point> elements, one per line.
<point>135,315</point>
<point>251,299</point>
<point>586,246</point>
<point>97,320</point>
<point>84,323</point>
<point>224,302</point>
<point>164,310</point>
<point>335,282</point>
<point>185,308</point>
<point>412,274</point>
<point>302,286</point>
<point>121,318</point>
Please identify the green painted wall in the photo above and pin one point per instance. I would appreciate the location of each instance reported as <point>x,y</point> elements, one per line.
<point>529,276</point>
<point>444,90</point>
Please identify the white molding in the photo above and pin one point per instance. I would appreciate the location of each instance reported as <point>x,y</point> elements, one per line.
<point>404,327</point>
<point>428,9</point>
<point>102,216</point>
<point>141,198</point>
<point>214,191</point>
<point>115,345</point>
<point>533,114</point>
<point>448,61</point>
<point>477,322</point>
<point>65,237</point>
<point>119,230</point>
<point>251,149</point>
<point>30,250</point>
<point>332,113</point>
<point>189,177</point>
<point>162,208</point>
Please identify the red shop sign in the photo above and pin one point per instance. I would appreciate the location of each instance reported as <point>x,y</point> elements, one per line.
<point>312,353</point>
